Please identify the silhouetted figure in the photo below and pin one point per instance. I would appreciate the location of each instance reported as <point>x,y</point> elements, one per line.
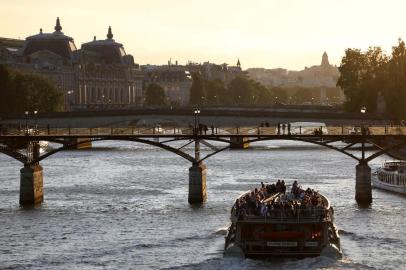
<point>283,128</point>
<point>289,128</point>
<point>279,128</point>
<point>212,129</point>
<point>262,124</point>
<point>49,129</point>
<point>205,129</point>
<point>266,124</point>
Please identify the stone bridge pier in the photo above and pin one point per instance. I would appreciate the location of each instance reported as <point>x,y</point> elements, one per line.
<point>239,143</point>
<point>31,178</point>
<point>363,188</point>
<point>197,178</point>
<point>197,183</point>
<point>31,185</point>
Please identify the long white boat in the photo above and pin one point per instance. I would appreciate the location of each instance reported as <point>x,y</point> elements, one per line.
<point>391,176</point>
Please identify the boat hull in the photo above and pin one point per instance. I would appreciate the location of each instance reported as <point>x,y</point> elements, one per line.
<point>386,186</point>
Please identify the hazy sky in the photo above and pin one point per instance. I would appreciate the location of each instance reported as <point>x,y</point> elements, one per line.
<point>262,33</point>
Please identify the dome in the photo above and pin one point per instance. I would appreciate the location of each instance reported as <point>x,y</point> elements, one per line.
<point>109,50</point>
<point>55,42</point>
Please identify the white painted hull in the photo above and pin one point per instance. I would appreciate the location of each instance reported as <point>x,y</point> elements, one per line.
<point>382,185</point>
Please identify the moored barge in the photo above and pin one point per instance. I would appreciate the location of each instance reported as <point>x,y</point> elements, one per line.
<point>391,176</point>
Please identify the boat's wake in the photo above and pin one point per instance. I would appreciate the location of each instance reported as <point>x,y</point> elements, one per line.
<point>359,238</point>
<point>248,264</point>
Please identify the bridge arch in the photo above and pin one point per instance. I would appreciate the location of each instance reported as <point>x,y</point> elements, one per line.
<point>312,140</point>
<point>68,146</point>
<point>13,154</point>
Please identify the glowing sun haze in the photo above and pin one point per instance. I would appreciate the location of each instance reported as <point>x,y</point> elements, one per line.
<point>262,33</point>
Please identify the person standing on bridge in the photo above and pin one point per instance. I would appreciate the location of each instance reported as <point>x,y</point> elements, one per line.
<point>212,129</point>
<point>289,128</point>
<point>279,128</point>
<point>283,128</point>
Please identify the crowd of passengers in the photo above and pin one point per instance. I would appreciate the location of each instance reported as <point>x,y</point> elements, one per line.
<point>298,202</point>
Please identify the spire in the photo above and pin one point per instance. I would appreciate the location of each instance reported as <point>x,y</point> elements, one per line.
<point>238,63</point>
<point>110,34</point>
<point>324,60</point>
<point>58,26</point>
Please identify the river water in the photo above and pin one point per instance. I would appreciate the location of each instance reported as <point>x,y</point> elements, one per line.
<point>124,206</point>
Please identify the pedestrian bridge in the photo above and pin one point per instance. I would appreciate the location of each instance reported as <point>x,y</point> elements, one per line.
<point>24,146</point>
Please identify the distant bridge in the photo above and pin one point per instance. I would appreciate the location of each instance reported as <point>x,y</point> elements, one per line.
<point>24,146</point>
<point>219,116</point>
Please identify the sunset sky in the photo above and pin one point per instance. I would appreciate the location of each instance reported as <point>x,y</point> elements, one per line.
<point>262,33</point>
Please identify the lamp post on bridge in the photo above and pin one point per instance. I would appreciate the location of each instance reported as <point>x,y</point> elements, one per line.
<point>196,113</point>
<point>35,122</point>
<point>69,93</point>
<point>363,131</point>
<point>26,122</point>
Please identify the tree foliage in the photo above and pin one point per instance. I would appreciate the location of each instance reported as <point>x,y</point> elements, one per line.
<point>21,92</point>
<point>198,89</point>
<point>395,91</point>
<point>362,76</point>
<point>245,91</point>
<point>365,74</point>
<point>155,95</point>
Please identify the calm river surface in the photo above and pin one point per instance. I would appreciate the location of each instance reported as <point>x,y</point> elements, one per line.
<point>124,206</point>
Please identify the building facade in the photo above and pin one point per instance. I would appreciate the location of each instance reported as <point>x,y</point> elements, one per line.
<point>107,76</point>
<point>323,76</point>
<point>174,79</point>
<point>99,75</point>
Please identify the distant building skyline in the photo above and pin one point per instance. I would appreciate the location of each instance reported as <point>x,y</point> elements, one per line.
<point>270,34</point>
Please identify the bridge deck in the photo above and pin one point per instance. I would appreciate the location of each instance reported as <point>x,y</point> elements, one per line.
<point>302,131</point>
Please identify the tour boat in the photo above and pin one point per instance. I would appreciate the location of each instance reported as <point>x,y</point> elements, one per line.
<point>283,231</point>
<point>391,176</point>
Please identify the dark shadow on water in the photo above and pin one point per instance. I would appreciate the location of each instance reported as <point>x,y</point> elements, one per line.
<point>35,207</point>
<point>197,206</point>
<point>364,206</point>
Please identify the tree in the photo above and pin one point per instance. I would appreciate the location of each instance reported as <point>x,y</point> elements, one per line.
<point>21,92</point>
<point>395,92</point>
<point>362,76</point>
<point>216,92</point>
<point>6,85</point>
<point>279,95</point>
<point>241,90</point>
<point>198,89</point>
<point>302,95</point>
<point>155,95</point>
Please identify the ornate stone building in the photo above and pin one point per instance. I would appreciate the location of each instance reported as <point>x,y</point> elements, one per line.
<point>52,55</point>
<point>99,75</point>
<point>108,77</point>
